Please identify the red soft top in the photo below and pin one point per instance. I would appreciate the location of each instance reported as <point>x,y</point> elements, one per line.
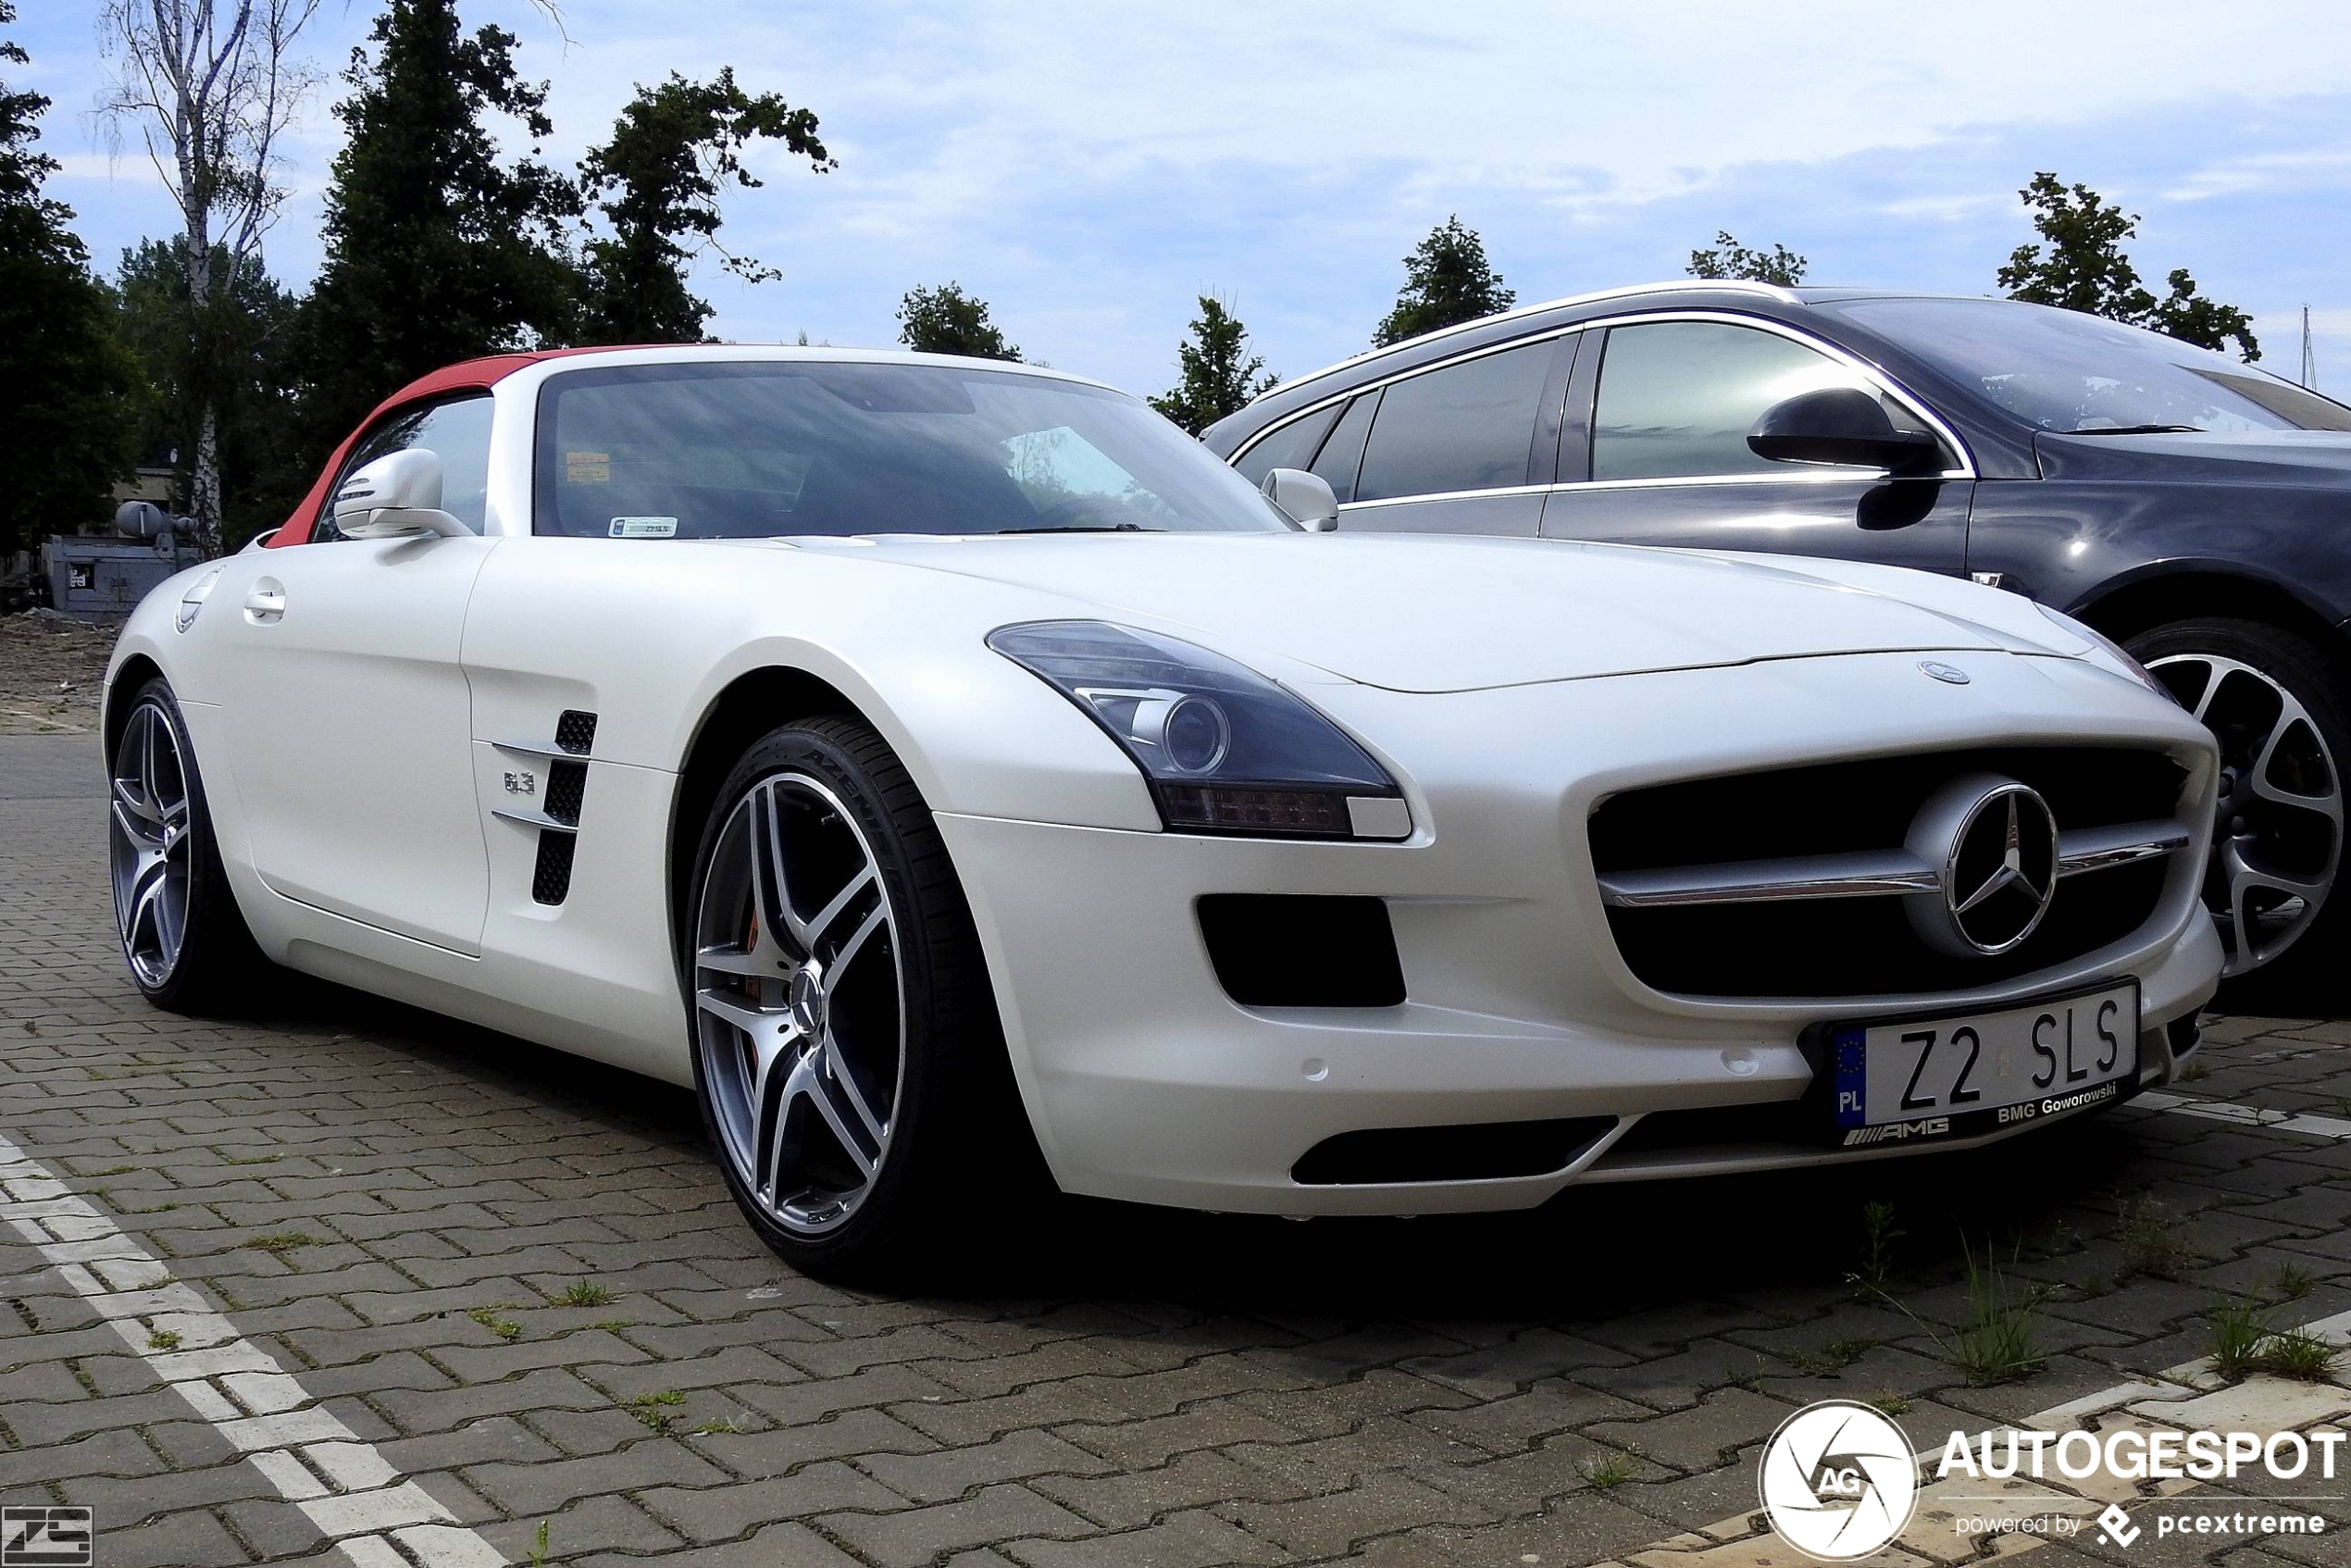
<point>461,377</point>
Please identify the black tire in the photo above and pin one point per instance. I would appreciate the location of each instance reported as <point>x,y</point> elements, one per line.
<point>2193,659</point>
<point>957,1135</point>
<point>216,965</point>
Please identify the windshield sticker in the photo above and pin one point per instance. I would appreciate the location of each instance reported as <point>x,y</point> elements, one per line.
<point>644,527</point>
<point>587,468</point>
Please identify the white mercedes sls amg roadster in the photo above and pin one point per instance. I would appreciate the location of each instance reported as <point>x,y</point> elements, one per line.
<point>948,767</point>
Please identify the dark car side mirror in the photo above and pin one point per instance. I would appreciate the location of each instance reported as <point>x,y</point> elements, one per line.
<point>1844,426</point>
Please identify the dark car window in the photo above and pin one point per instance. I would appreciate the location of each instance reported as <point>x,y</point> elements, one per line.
<point>1287,446</point>
<point>455,429</point>
<point>1677,398</point>
<point>2063,371</point>
<point>1341,455</point>
<point>766,448</point>
<point>1466,427</point>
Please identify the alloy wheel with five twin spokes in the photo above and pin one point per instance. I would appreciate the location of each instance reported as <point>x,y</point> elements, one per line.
<point>2278,834</point>
<point>800,1004</point>
<point>149,845</point>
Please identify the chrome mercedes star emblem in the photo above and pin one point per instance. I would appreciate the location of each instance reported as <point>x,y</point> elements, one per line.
<point>1994,844</point>
<point>1950,675</point>
<point>807,1000</point>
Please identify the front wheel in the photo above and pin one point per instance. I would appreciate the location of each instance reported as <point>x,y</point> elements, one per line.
<point>2270,702</point>
<point>184,939</point>
<point>851,1065</point>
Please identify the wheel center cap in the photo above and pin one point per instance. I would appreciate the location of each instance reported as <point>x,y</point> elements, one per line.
<point>808,1000</point>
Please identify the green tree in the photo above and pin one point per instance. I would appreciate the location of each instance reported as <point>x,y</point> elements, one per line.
<point>1446,281</point>
<point>947,321</point>
<point>69,393</point>
<point>238,356</point>
<point>212,85</point>
<point>1219,373</point>
<point>437,248</point>
<point>2079,264</point>
<point>657,184</point>
<point>1730,260</point>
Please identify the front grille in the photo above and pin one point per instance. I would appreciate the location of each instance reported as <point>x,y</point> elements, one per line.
<point>1820,946</point>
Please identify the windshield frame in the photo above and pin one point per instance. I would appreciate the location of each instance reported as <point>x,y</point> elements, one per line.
<point>1247,512</point>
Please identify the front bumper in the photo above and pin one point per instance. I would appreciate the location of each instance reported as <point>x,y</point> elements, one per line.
<point>1145,1081</point>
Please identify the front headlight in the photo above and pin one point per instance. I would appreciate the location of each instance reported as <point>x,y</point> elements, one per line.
<point>1224,748</point>
<point>2116,659</point>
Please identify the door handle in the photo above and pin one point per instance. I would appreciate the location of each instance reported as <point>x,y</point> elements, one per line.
<point>265,602</point>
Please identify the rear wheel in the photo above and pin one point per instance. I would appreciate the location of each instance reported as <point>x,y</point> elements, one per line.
<point>2270,702</point>
<point>182,935</point>
<point>846,1044</point>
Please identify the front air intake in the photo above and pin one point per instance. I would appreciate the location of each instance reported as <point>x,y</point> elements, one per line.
<point>1284,950</point>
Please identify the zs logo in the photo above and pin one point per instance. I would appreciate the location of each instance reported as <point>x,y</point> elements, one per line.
<point>522,784</point>
<point>44,1538</point>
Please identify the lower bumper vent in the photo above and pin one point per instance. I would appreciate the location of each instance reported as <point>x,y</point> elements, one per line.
<point>1480,1151</point>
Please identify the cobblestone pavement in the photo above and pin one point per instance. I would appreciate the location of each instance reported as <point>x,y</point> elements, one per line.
<point>515,1279</point>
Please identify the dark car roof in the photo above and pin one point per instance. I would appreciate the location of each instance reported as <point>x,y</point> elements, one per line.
<point>1223,437</point>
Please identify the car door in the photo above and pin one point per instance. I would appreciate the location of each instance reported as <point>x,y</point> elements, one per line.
<point>1653,451</point>
<point>1464,447</point>
<point>347,709</point>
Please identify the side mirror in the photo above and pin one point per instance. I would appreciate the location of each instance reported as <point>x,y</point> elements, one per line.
<point>1844,426</point>
<point>397,493</point>
<point>1305,499</point>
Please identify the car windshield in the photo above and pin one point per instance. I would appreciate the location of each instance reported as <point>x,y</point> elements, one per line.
<point>2063,371</point>
<point>736,449</point>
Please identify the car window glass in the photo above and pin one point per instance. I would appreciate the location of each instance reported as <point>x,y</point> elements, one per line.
<point>758,449</point>
<point>1466,427</point>
<point>1342,455</point>
<point>1677,398</point>
<point>2066,371</point>
<point>457,431</point>
<point>1287,446</point>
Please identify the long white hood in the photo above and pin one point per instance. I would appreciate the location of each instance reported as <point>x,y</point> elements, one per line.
<point>1419,614</point>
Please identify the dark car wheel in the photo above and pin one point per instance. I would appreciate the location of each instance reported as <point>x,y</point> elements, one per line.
<point>2277,845</point>
<point>847,1049</point>
<point>182,935</point>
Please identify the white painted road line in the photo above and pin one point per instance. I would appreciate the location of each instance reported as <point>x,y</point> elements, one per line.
<point>2243,1115</point>
<point>315,1462</point>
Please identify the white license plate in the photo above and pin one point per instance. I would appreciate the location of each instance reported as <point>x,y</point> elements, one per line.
<point>1972,1073</point>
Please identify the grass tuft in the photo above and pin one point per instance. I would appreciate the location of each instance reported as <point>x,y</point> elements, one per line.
<point>1878,1235</point>
<point>505,1327</point>
<point>2154,1241</point>
<point>656,1411</point>
<point>279,1245</point>
<point>2299,1354</point>
<point>162,1339</point>
<point>1891,1403</point>
<point>1603,1471</point>
<point>2237,1333</point>
<point>584,1293</point>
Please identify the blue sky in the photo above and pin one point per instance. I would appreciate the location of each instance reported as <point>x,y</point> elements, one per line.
<point>1090,168</point>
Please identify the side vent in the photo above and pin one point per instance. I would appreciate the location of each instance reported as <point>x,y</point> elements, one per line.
<point>557,815</point>
<point>551,880</point>
<point>567,787</point>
